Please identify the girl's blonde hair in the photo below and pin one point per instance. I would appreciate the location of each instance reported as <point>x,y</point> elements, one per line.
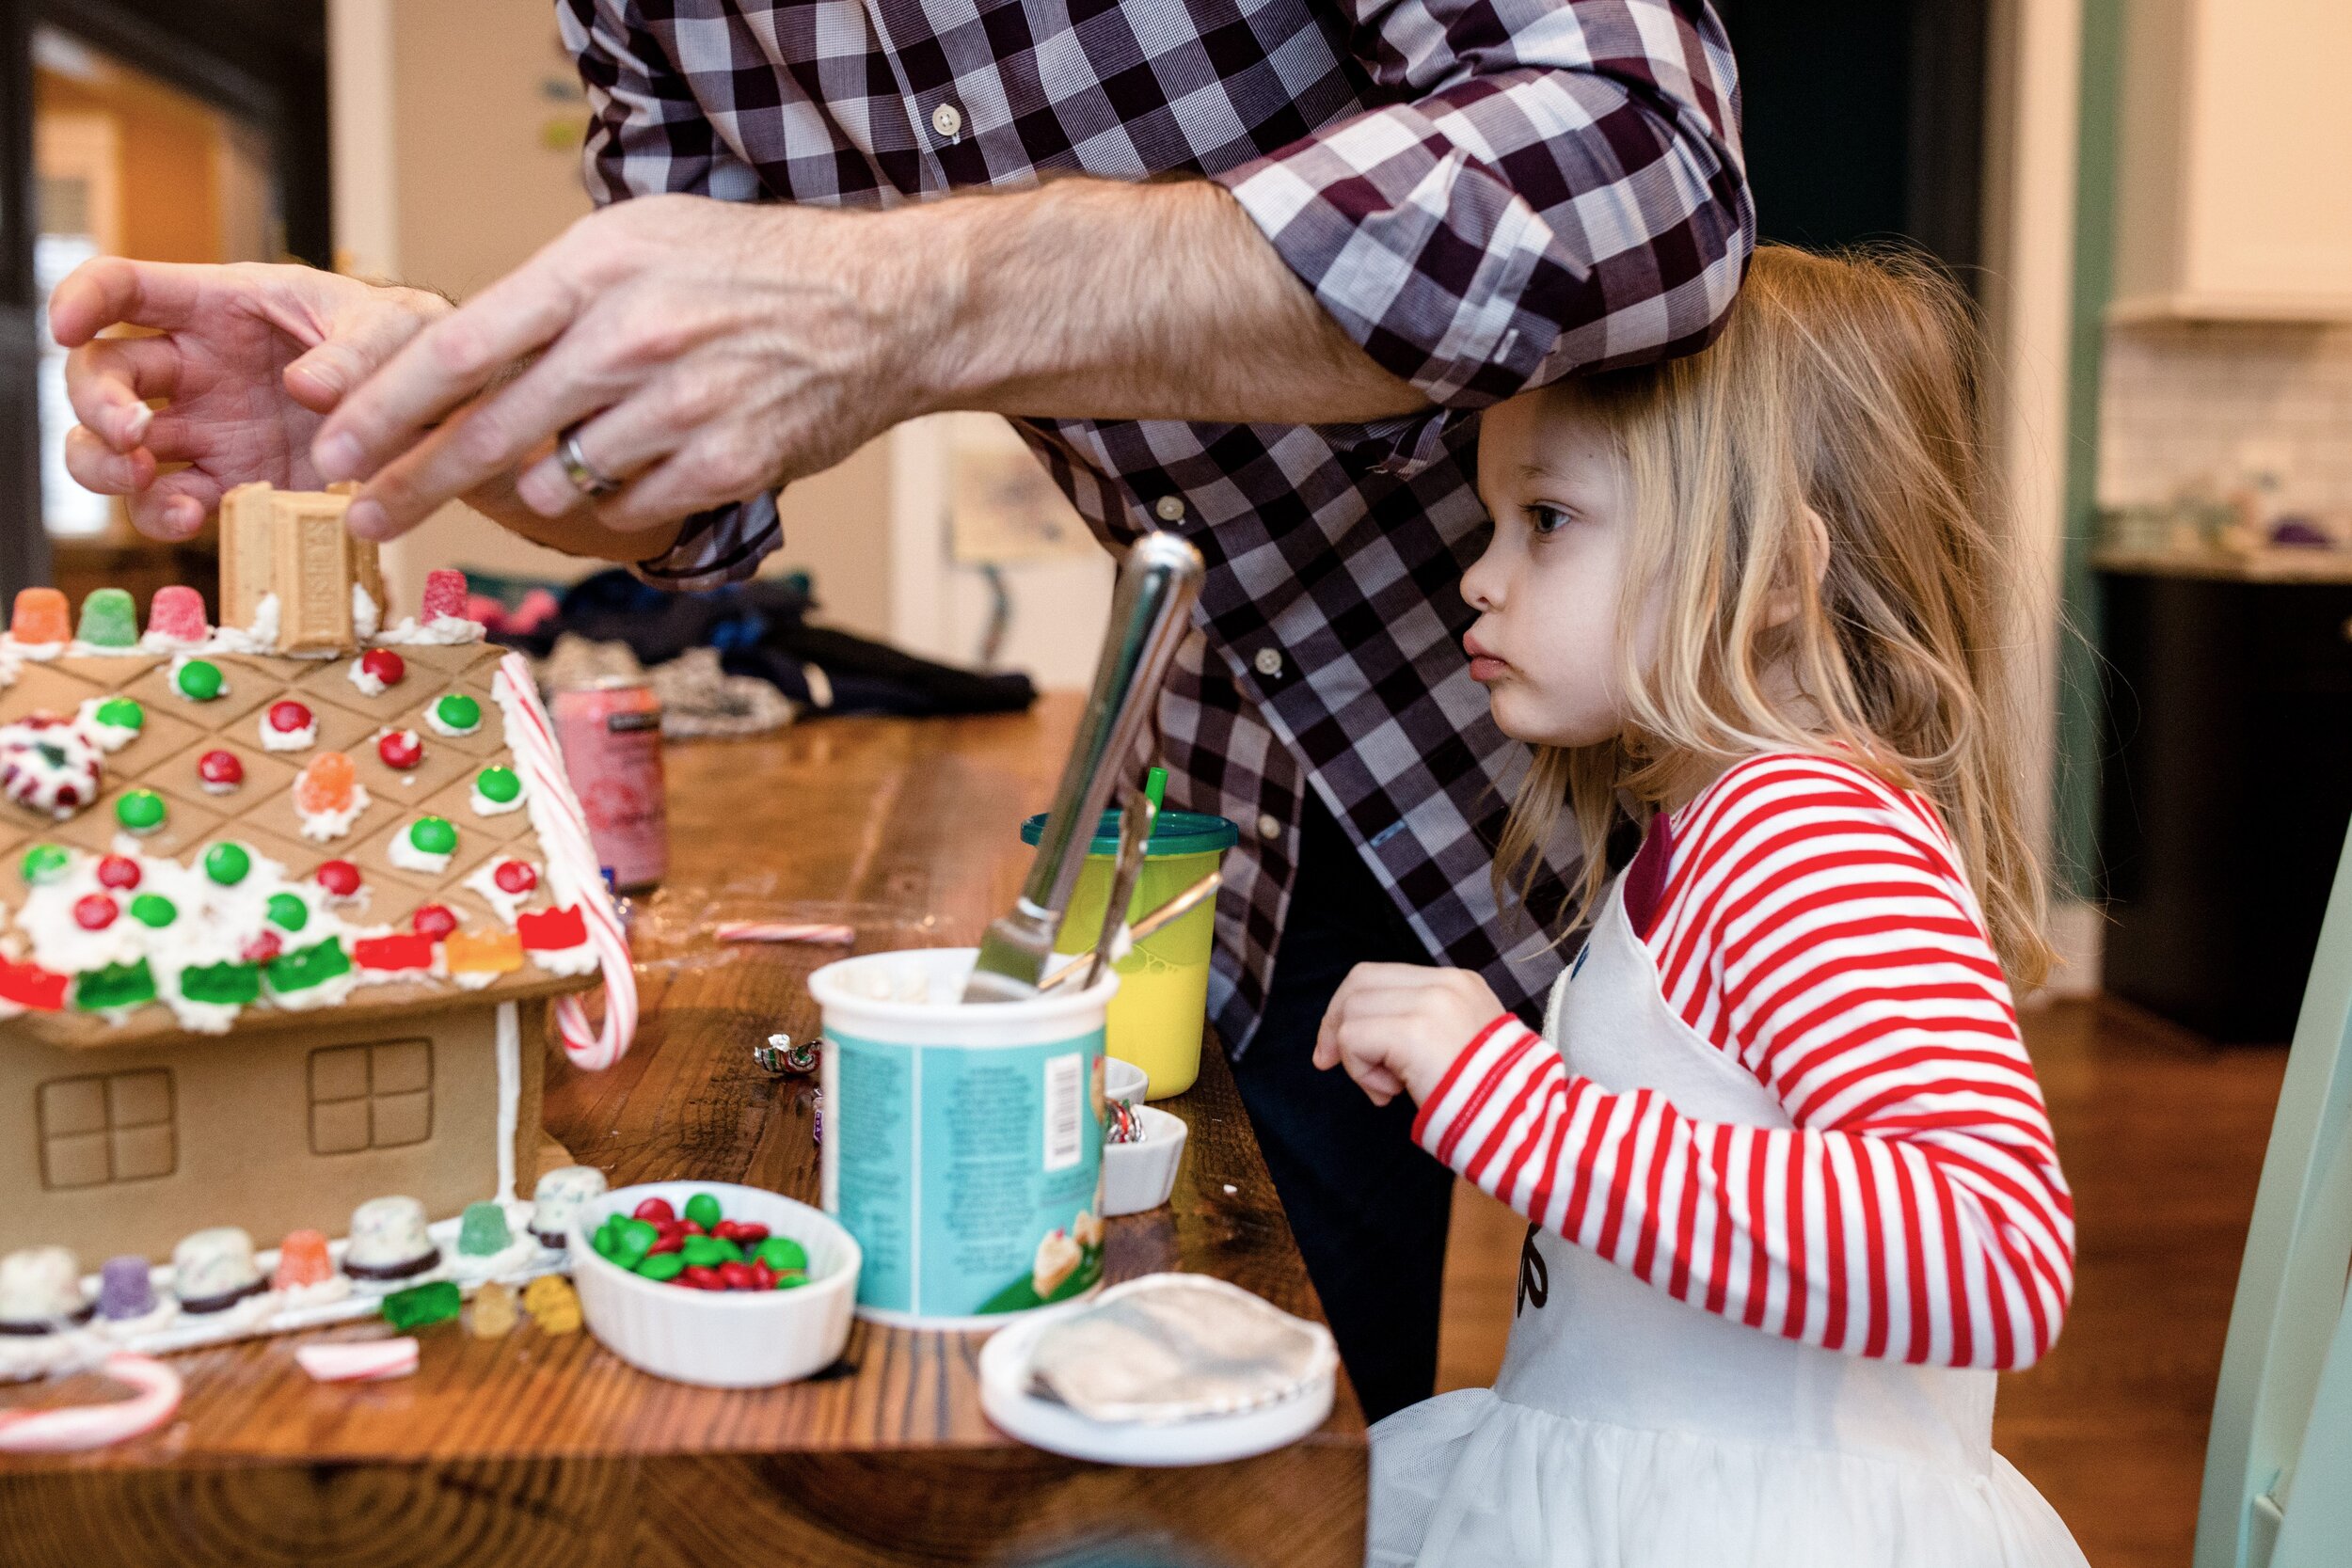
<point>1843,388</point>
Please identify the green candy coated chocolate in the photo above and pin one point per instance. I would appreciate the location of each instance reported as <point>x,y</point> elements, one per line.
<point>708,1252</point>
<point>198,680</point>
<point>661,1266</point>
<point>783,1254</point>
<point>224,985</point>
<point>433,835</point>
<point>458,711</point>
<point>499,784</point>
<point>288,913</point>
<point>607,1239</point>
<point>115,986</point>
<point>632,1240</point>
<point>309,966</point>
<point>790,1281</point>
<point>45,863</point>
<point>227,864</point>
<point>109,619</point>
<point>154,909</point>
<point>122,713</point>
<point>141,811</point>
<point>703,1209</point>
<point>421,1304</point>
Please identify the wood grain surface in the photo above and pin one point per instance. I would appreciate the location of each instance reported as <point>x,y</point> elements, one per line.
<point>535,1450</point>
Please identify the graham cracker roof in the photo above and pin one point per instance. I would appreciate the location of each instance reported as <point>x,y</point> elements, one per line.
<point>260,814</point>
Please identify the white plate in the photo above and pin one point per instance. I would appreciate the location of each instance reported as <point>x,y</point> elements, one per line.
<point>1058,1429</point>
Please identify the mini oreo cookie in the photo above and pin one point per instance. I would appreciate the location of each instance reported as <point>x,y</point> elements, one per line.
<point>381,1272</point>
<point>202,1306</point>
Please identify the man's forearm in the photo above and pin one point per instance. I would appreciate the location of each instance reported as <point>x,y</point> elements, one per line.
<point>1101,299</point>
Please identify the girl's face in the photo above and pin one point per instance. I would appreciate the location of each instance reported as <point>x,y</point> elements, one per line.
<point>1545,643</point>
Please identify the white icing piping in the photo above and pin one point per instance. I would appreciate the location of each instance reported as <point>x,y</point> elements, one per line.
<point>510,1061</point>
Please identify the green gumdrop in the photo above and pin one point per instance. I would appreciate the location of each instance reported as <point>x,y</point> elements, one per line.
<point>109,619</point>
<point>458,711</point>
<point>229,985</point>
<point>154,909</point>
<point>198,680</point>
<point>708,1252</point>
<point>122,713</point>
<point>433,835</point>
<point>499,784</point>
<point>661,1266</point>
<point>421,1304</point>
<point>46,862</point>
<point>227,864</point>
<point>783,1254</point>
<point>483,1232</point>
<point>632,1240</point>
<point>703,1209</point>
<point>114,985</point>
<point>308,966</point>
<point>141,811</point>
<point>288,913</point>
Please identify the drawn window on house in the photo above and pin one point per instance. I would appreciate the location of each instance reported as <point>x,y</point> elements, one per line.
<point>106,1127</point>
<point>373,1096</point>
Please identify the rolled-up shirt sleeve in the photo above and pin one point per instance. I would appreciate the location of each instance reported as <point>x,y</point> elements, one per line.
<point>648,135</point>
<point>1559,188</point>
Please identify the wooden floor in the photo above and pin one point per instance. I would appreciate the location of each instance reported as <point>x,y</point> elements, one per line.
<point>2162,1138</point>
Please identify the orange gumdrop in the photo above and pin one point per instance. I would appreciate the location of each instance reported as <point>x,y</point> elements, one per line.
<point>483,952</point>
<point>325,784</point>
<point>302,1260</point>
<point>42,615</point>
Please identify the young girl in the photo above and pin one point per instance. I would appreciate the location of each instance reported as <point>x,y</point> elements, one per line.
<point>1793,1194</point>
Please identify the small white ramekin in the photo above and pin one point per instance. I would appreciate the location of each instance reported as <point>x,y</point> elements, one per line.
<point>720,1340</point>
<point>1123,1080</point>
<point>1136,1176</point>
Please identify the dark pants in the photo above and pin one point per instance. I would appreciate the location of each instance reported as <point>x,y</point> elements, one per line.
<point>1368,1207</point>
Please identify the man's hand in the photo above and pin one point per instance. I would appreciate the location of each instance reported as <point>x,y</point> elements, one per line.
<point>250,356</point>
<point>712,350</point>
<point>1397,1027</point>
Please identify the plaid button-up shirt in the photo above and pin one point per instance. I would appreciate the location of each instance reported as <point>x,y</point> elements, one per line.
<point>1485,194</point>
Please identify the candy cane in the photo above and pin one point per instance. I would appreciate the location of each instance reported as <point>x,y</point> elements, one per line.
<point>95,1426</point>
<point>778,930</point>
<point>571,858</point>
<point>358,1361</point>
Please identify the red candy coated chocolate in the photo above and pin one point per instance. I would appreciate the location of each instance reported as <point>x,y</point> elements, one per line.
<point>287,716</point>
<point>385,665</point>
<point>763,1277</point>
<point>220,767</point>
<point>515,877</point>
<point>94,911</point>
<point>118,871</point>
<point>698,1278</point>
<point>667,1242</point>
<point>261,949</point>
<point>735,1276</point>
<point>433,920</point>
<point>692,1227</point>
<point>340,878</point>
<point>401,749</point>
<point>655,1211</point>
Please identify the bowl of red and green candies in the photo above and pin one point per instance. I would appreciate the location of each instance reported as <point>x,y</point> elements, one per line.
<point>713,1283</point>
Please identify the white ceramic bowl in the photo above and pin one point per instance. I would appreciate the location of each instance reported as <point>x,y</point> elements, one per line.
<point>722,1340</point>
<point>1124,1080</point>
<point>1136,1176</point>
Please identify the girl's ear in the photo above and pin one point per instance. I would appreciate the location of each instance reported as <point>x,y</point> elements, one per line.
<point>1813,561</point>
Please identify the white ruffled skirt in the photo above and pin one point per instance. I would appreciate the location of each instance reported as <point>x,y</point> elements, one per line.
<point>1471,1479</point>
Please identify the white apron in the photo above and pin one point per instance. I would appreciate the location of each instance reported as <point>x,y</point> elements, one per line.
<point>1629,1429</point>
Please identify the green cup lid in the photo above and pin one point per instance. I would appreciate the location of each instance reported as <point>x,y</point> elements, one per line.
<point>1173,832</point>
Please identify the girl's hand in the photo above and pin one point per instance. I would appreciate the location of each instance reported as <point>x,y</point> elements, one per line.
<point>1397,1027</point>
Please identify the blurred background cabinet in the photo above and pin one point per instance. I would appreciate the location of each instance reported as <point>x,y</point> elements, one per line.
<point>2230,202</point>
<point>2228,776</point>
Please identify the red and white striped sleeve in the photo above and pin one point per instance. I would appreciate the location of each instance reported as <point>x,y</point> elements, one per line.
<point>1816,926</point>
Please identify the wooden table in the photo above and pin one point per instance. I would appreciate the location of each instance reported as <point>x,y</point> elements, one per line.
<point>534,1450</point>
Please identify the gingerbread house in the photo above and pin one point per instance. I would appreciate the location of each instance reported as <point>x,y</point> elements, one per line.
<point>287,902</point>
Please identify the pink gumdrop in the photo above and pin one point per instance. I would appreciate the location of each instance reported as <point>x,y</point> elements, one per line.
<point>444,594</point>
<point>177,613</point>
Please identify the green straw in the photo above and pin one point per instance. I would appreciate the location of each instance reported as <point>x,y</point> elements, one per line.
<point>1156,786</point>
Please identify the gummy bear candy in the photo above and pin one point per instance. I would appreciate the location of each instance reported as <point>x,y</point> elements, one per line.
<point>492,1316</point>
<point>552,1304</point>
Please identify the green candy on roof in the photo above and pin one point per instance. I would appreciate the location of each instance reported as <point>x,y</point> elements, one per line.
<point>227,864</point>
<point>45,863</point>
<point>122,713</point>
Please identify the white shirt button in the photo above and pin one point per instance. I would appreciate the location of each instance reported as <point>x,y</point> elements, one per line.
<point>947,120</point>
<point>1169,509</point>
<point>1268,828</point>
<point>1269,662</point>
